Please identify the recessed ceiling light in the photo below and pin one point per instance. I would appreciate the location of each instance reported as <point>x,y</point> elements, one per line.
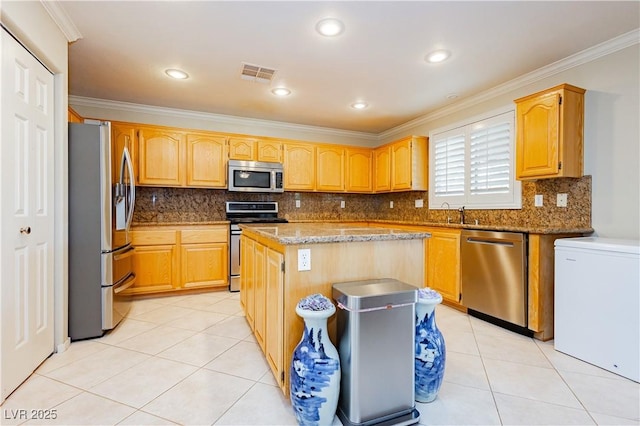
<point>452,96</point>
<point>177,74</point>
<point>359,105</point>
<point>330,27</point>
<point>281,91</point>
<point>437,56</point>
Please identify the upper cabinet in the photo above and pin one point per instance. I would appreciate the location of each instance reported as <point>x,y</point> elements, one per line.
<point>206,160</point>
<point>124,135</point>
<point>359,170</point>
<point>255,149</point>
<point>402,165</point>
<point>299,166</point>
<point>330,168</point>
<point>549,138</point>
<point>161,157</point>
<point>74,117</point>
<point>173,157</point>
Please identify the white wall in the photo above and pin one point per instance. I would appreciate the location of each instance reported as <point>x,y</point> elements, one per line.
<point>611,134</point>
<point>33,26</point>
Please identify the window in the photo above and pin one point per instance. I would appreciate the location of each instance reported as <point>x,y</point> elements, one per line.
<point>472,164</point>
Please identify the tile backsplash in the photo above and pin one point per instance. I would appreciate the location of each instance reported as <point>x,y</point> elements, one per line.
<point>196,205</point>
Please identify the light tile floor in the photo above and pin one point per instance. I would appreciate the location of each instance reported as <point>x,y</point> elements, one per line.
<point>193,360</point>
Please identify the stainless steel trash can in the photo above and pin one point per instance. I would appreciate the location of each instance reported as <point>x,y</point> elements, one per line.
<point>376,328</point>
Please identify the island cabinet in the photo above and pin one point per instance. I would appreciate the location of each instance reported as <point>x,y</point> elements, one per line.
<point>180,258</point>
<point>299,167</point>
<point>330,168</point>
<point>342,259</point>
<point>402,165</point>
<point>549,138</point>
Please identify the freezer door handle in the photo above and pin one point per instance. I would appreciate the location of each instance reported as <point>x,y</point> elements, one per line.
<point>130,252</point>
<point>128,163</point>
<point>125,285</point>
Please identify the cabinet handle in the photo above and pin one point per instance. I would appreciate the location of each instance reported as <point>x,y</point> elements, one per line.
<point>26,230</point>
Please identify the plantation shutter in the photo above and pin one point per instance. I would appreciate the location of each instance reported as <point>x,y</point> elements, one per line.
<point>490,159</point>
<point>449,170</point>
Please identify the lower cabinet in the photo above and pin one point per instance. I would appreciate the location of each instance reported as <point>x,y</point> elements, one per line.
<point>443,264</point>
<point>171,259</point>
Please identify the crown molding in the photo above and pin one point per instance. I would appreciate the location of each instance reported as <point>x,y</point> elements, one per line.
<point>590,54</point>
<point>60,17</point>
<point>219,118</point>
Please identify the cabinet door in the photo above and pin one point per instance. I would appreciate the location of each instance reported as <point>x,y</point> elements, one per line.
<point>73,117</point>
<point>443,263</point>
<point>160,157</point>
<point>299,167</point>
<point>538,121</point>
<point>358,171</point>
<point>206,156</point>
<point>330,169</point>
<point>401,165</point>
<point>260,293</point>
<point>123,134</point>
<point>274,314</point>
<point>270,151</point>
<point>155,269</point>
<point>249,287</point>
<point>382,158</point>
<point>204,265</point>
<point>242,148</point>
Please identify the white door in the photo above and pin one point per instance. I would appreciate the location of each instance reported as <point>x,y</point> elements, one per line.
<point>26,214</point>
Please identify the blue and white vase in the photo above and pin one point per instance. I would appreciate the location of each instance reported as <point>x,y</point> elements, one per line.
<point>315,367</point>
<point>430,352</point>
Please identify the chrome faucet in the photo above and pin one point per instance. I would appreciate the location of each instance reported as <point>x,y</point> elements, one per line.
<point>461,210</point>
<point>448,208</point>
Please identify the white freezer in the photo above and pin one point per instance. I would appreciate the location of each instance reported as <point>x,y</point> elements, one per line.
<point>597,302</point>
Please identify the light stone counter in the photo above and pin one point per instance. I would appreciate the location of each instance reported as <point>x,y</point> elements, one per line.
<point>314,233</point>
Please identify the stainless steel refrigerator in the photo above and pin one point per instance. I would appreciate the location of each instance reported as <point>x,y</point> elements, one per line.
<point>101,202</point>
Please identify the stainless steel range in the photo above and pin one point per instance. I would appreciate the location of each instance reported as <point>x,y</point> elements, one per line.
<point>245,212</point>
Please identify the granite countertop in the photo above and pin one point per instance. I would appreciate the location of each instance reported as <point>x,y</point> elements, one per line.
<point>315,233</point>
<point>509,228</point>
<point>177,223</point>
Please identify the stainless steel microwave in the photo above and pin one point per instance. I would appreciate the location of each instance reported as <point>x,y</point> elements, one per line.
<point>255,176</point>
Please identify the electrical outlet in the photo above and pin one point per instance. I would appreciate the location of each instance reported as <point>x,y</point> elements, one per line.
<point>562,200</point>
<point>297,204</point>
<point>390,204</point>
<point>538,200</point>
<point>342,204</point>
<point>304,259</point>
<point>419,204</point>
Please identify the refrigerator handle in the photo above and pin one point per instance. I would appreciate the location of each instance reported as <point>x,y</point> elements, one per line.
<point>127,162</point>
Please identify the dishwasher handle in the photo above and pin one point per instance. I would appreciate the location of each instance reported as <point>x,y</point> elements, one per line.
<point>496,242</point>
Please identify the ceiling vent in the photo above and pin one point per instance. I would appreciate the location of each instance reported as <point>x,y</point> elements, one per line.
<point>257,73</point>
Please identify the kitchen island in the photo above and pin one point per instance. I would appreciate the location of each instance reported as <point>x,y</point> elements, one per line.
<point>271,282</point>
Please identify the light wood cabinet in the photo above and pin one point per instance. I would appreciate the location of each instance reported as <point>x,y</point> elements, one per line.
<point>123,134</point>
<point>382,162</point>
<point>443,263</point>
<point>409,164</point>
<point>274,300</point>
<point>270,151</point>
<point>206,160</point>
<point>173,259</point>
<point>242,149</point>
<point>299,167</point>
<point>161,157</point>
<point>549,138</point>
<point>330,168</point>
<point>359,173</point>
<point>247,283</point>
<point>155,261</point>
<point>73,116</point>
<point>260,293</point>
<point>204,258</point>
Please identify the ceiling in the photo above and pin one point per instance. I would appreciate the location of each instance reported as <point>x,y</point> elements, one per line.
<point>379,58</point>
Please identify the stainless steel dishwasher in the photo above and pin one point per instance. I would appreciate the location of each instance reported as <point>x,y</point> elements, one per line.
<point>494,275</point>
